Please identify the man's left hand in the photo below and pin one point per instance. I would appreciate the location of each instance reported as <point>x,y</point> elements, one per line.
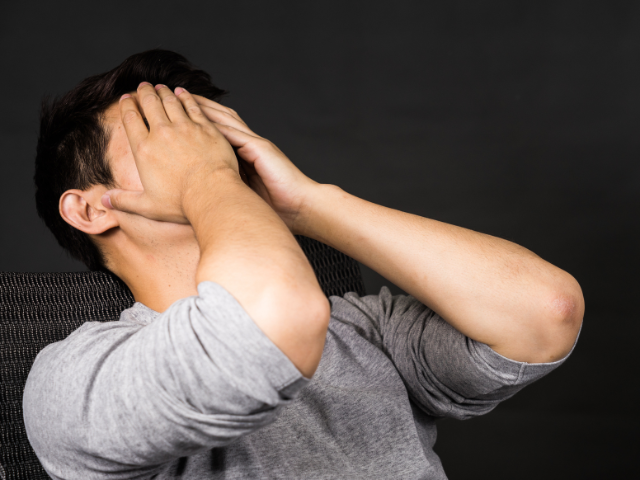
<point>269,172</point>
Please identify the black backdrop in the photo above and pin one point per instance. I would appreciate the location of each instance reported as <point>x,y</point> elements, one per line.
<point>517,119</point>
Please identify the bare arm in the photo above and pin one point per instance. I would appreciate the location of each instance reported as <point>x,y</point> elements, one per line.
<point>190,175</point>
<point>491,290</point>
<point>247,248</point>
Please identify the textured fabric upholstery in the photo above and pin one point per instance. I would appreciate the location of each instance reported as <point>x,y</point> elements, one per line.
<point>37,309</point>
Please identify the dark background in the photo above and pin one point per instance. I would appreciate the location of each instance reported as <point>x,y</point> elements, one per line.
<point>517,119</point>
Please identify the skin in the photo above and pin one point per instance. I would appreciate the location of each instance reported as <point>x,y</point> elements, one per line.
<point>193,199</point>
<point>492,290</point>
<point>139,250</point>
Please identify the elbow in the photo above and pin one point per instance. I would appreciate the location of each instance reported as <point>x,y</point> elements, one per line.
<point>299,300</point>
<point>319,310</point>
<point>311,327</point>
<point>567,305</point>
<point>564,312</point>
<point>314,310</point>
<point>301,331</point>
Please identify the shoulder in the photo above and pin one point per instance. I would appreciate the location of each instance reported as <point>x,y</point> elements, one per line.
<point>59,363</point>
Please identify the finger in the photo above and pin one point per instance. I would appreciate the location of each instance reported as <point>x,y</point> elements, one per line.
<point>191,106</point>
<point>151,105</point>
<point>134,125</point>
<point>242,141</point>
<point>128,201</point>
<point>224,118</point>
<point>172,105</point>
<point>213,104</point>
<point>138,203</point>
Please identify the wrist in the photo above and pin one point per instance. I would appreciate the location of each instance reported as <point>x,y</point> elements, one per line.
<point>310,221</point>
<point>203,189</point>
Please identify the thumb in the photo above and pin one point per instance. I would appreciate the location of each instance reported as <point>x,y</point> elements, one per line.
<point>249,144</point>
<point>128,201</point>
<point>138,203</point>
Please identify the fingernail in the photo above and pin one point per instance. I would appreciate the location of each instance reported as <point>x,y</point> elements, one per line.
<point>144,83</point>
<point>159,86</point>
<point>106,201</point>
<point>179,90</point>
<point>126,95</point>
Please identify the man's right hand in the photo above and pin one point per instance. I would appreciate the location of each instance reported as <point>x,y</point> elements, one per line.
<point>189,174</point>
<point>180,147</point>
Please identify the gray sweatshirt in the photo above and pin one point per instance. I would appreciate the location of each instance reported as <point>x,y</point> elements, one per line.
<point>199,392</point>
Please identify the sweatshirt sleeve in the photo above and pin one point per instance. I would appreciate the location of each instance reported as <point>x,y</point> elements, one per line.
<point>445,372</point>
<point>120,399</point>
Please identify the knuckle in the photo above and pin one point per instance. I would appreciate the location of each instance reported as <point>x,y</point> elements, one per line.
<point>230,115</point>
<point>265,143</point>
<point>183,125</point>
<point>143,149</point>
<point>165,131</point>
<point>194,110</point>
<point>210,129</point>
<point>149,99</point>
<point>130,116</point>
<point>170,99</point>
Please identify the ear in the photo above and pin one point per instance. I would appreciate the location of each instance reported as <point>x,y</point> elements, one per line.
<point>83,210</point>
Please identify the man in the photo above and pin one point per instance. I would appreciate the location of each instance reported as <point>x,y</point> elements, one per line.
<point>231,363</point>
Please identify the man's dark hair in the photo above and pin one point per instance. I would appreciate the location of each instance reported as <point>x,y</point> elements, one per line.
<point>72,143</point>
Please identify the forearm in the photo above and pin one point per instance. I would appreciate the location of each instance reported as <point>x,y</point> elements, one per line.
<point>492,290</point>
<point>246,248</point>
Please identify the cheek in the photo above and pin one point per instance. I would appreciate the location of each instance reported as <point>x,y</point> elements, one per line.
<point>130,178</point>
<point>125,171</point>
<point>122,162</point>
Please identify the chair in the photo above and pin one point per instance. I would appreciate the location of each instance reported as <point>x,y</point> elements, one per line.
<point>37,309</point>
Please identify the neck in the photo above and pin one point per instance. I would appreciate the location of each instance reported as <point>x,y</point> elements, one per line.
<point>157,275</point>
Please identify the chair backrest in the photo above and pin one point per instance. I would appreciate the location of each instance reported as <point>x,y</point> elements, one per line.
<point>37,309</point>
